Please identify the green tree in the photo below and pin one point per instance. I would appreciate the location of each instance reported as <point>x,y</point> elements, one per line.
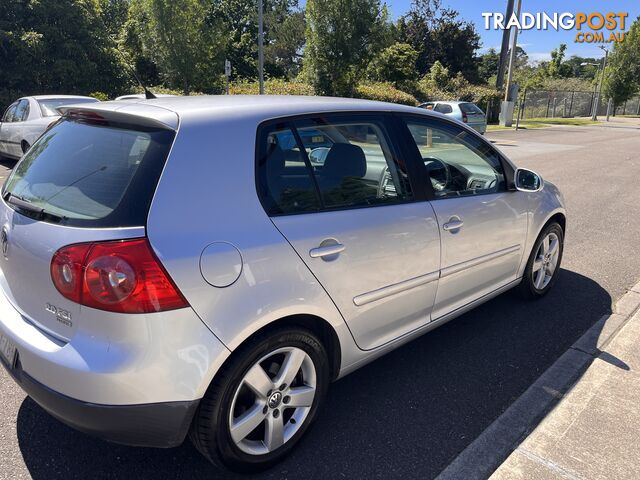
<point>395,64</point>
<point>283,36</point>
<point>488,65</point>
<point>341,36</point>
<point>56,46</point>
<point>437,33</point>
<point>622,76</point>
<point>557,67</point>
<point>179,38</point>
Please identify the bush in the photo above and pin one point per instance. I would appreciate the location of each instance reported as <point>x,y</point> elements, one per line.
<point>103,97</point>
<point>272,87</point>
<point>384,92</point>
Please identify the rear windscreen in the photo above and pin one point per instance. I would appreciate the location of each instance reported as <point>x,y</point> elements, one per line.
<point>88,174</point>
<point>470,108</point>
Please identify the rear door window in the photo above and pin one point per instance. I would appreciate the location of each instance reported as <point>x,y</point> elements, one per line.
<point>443,108</point>
<point>88,174</point>
<point>326,163</point>
<point>9,113</point>
<point>285,183</point>
<point>22,111</point>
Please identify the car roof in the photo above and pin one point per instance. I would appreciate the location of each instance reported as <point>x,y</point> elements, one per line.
<point>260,107</point>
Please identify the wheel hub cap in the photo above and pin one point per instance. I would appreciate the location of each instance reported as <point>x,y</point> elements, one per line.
<point>274,400</point>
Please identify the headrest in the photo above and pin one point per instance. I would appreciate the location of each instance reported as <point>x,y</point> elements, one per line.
<point>344,160</point>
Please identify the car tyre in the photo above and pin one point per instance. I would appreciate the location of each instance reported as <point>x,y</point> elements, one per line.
<point>229,396</point>
<point>543,265</point>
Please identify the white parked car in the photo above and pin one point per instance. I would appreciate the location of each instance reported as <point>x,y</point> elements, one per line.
<point>28,117</point>
<point>141,96</point>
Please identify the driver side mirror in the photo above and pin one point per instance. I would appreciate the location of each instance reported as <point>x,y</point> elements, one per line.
<point>527,181</point>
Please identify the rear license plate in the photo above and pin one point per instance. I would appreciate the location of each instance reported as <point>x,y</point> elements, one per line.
<point>8,351</point>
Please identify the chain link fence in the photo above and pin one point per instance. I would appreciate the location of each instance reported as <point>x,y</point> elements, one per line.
<point>567,104</point>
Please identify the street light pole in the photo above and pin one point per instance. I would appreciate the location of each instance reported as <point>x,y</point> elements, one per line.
<point>512,54</point>
<point>260,49</point>
<point>594,117</point>
<point>595,86</point>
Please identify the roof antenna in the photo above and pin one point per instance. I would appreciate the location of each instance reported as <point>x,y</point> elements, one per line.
<point>148,94</point>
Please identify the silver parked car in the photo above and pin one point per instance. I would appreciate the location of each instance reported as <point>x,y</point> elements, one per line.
<point>465,112</point>
<point>206,266</point>
<point>26,118</point>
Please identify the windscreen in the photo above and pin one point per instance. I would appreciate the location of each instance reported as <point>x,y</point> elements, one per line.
<point>90,174</point>
<point>49,107</point>
<point>470,108</point>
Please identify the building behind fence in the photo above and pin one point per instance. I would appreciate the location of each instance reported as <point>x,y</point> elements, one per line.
<point>573,103</point>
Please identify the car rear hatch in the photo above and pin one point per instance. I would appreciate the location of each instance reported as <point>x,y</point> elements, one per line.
<point>473,113</point>
<point>89,178</point>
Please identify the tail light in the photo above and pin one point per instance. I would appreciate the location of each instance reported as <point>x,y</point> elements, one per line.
<point>118,276</point>
<point>465,119</point>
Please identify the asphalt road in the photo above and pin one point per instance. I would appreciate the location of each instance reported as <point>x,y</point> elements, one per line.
<point>410,413</point>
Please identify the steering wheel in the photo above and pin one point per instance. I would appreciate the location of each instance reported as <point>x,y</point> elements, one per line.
<point>385,183</point>
<point>438,172</point>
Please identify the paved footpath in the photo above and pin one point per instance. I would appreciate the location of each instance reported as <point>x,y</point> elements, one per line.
<point>594,432</point>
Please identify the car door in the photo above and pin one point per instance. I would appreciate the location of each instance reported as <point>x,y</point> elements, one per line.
<point>7,128</point>
<point>352,218</point>
<point>483,224</point>
<point>17,127</point>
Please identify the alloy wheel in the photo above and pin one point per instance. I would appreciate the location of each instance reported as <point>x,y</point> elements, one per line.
<point>272,401</point>
<point>546,261</point>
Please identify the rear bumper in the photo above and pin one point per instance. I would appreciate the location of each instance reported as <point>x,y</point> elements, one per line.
<point>481,128</point>
<point>160,425</point>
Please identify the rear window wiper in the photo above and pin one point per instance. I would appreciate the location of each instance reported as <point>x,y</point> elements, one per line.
<point>26,205</point>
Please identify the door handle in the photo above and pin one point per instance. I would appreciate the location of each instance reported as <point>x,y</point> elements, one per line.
<point>326,250</point>
<point>454,223</point>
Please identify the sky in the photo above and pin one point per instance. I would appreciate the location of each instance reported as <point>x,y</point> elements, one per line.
<point>537,44</point>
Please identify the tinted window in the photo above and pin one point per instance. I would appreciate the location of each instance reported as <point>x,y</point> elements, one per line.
<point>443,108</point>
<point>285,184</point>
<point>92,175</point>
<point>457,162</point>
<point>49,106</point>
<point>470,108</point>
<point>352,162</point>
<point>9,113</point>
<point>22,111</point>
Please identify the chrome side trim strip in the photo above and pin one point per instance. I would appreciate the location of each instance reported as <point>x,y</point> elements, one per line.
<point>477,261</point>
<point>389,290</point>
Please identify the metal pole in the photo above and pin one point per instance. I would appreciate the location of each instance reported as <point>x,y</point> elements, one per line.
<point>504,47</point>
<point>260,49</point>
<point>503,60</point>
<point>571,104</point>
<point>520,107</point>
<point>524,103</point>
<point>604,66</point>
<point>512,53</point>
<point>548,105</point>
<point>609,108</point>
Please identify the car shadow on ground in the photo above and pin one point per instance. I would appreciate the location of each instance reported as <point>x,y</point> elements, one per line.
<point>406,415</point>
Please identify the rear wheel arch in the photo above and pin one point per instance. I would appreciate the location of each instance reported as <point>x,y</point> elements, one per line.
<point>312,323</point>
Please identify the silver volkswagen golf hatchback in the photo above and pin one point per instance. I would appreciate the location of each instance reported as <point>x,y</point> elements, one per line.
<point>206,266</point>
